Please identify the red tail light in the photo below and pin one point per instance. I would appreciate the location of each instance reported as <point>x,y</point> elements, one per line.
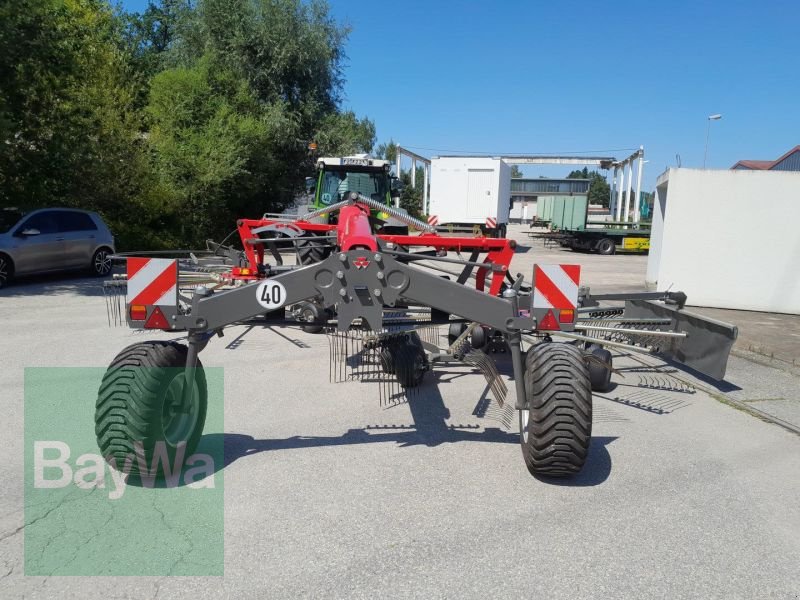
<point>137,312</point>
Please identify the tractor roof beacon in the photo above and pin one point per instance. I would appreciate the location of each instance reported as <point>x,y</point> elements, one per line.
<point>381,298</point>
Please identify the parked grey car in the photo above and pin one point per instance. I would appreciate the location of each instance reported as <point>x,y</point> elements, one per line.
<point>53,239</point>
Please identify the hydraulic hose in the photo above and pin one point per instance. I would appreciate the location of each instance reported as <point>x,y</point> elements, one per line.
<point>389,210</point>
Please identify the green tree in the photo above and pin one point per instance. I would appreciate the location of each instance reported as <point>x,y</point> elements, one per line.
<point>387,151</point>
<point>251,83</point>
<point>599,190</point>
<point>173,122</point>
<point>411,197</point>
<point>68,134</point>
<point>145,39</point>
<point>516,172</point>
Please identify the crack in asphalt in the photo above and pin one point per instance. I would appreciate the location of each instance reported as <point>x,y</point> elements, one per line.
<point>60,503</point>
<point>182,533</point>
<point>83,545</point>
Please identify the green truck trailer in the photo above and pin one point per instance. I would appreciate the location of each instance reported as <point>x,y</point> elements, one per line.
<point>568,220</point>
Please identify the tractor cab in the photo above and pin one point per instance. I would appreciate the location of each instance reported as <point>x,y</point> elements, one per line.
<point>337,177</point>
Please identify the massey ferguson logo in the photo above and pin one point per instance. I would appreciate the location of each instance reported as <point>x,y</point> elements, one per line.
<point>361,262</point>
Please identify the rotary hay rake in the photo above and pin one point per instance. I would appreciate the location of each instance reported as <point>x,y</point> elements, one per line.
<point>381,300</point>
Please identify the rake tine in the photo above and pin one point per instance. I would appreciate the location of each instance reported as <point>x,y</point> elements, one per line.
<point>337,351</point>
<point>108,309</point>
<point>383,385</point>
<point>357,363</point>
<point>343,357</point>
<point>331,355</point>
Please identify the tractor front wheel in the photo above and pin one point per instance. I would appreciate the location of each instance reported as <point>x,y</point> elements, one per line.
<point>140,420</point>
<point>312,249</point>
<point>556,427</point>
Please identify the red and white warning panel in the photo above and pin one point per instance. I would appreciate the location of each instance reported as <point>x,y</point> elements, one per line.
<point>433,220</point>
<point>491,222</point>
<point>554,300</point>
<point>152,283</point>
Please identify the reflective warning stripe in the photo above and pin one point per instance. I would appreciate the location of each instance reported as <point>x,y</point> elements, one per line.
<point>152,281</point>
<point>433,220</point>
<point>556,286</point>
<point>491,222</point>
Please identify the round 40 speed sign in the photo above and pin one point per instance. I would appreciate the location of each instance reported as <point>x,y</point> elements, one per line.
<point>271,294</point>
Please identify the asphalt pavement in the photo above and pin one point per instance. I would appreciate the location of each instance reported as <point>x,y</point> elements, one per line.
<point>330,494</point>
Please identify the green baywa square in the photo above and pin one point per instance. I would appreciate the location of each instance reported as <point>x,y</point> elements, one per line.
<point>98,503</point>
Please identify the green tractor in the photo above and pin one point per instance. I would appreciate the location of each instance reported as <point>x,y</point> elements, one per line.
<point>337,177</point>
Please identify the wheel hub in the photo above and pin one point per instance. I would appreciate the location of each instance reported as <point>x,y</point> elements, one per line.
<point>523,424</point>
<point>179,425</point>
<point>102,263</point>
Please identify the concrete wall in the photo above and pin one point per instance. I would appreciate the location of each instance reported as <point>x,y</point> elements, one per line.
<point>520,214</point>
<point>729,239</point>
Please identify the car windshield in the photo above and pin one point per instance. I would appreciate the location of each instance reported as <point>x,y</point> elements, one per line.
<point>335,184</point>
<point>8,218</point>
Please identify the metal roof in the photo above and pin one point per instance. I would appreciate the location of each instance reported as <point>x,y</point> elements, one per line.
<point>764,165</point>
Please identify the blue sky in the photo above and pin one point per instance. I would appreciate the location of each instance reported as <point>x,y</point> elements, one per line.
<point>521,76</point>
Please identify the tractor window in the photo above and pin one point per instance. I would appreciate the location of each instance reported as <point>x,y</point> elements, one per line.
<point>336,185</point>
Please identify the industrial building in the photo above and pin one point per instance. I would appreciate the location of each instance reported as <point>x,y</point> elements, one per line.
<point>788,162</point>
<point>525,193</point>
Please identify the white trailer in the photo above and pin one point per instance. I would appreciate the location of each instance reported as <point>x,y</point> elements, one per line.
<point>470,192</point>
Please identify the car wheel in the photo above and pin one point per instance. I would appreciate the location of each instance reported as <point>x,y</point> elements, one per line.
<point>6,270</point>
<point>606,247</point>
<point>101,262</point>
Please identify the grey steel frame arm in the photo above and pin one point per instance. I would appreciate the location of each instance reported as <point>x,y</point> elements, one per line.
<point>358,283</point>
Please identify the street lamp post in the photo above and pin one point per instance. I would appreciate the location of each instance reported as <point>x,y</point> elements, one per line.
<point>708,132</point>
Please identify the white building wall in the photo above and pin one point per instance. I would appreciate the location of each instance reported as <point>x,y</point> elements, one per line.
<point>450,189</point>
<point>729,239</point>
<point>522,211</point>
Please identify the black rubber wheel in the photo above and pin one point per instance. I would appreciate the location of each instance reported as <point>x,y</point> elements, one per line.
<point>313,315</point>
<point>387,361</point>
<point>101,262</point>
<point>454,331</point>
<point>409,361</point>
<point>599,374</point>
<point>6,270</point>
<point>136,412</point>
<point>556,428</point>
<point>479,337</point>
<point>311,250</point>
<point>606,246</point>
